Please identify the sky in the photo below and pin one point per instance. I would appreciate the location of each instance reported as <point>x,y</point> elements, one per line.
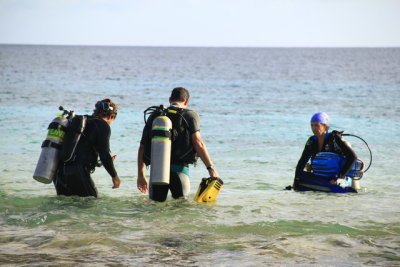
<point>210,23</point>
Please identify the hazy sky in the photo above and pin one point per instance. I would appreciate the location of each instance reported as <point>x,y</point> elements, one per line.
<point>254,23</point>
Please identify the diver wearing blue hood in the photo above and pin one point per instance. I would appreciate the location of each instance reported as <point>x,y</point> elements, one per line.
<point>325,141</point>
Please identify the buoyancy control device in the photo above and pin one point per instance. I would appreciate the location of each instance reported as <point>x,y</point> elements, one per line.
<point>329,164</point>
<point>171,137</point>
<point>47,164</point>
<point>182,149</point>
<point>76,126</point>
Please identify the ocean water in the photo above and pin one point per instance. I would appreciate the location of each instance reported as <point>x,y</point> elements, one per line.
<point>255,105</point>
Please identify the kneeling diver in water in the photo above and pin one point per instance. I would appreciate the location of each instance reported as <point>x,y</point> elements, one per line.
<point>324,141</point>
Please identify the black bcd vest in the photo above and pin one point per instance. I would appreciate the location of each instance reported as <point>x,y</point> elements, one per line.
<point>182,149</point>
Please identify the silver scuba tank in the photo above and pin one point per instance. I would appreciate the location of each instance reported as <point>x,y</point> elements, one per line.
<point>48,160</point>
<point>160,150</point>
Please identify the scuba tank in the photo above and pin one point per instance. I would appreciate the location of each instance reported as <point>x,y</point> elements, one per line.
<point>160,150</point>
<point>49,156</point>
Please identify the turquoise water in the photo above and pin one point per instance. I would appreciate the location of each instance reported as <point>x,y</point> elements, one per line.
<point>255,106</point>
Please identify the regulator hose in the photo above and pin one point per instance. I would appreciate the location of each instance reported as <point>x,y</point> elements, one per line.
<point>370,152</point>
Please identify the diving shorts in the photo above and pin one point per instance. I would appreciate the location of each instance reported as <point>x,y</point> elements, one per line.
<point>179,185</point>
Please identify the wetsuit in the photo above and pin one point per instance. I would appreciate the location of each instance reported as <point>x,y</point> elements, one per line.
<point>73,178</point>
<point>179,184</point>
<point>333,143</point>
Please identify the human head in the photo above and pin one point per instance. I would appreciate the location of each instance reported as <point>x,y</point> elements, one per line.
<point>319,123</point>
<point>179,95</point>
<point>320,117</point>
<point>105,108</point>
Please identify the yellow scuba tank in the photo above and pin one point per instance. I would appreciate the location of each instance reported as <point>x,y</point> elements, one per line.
<point>48,160</point>
<point>160,150</point>
<point>208,190</point>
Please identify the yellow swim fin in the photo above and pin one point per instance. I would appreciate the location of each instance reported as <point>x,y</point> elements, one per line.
<point>208,190</point>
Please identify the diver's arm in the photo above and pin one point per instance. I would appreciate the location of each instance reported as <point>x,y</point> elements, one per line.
<point>103,148</point>
<point>107,161</point>
<point>141,179</point>
<point>202,152</point>
<point>305,156</point>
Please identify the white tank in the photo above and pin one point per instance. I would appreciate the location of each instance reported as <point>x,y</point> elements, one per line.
<point>160,150</point>
<point>356,184</point>
<point>48,160</point>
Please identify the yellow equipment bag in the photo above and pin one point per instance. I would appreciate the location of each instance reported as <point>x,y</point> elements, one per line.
<point>208,190</point>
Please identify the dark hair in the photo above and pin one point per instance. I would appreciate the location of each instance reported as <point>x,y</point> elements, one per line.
<point>179,94</point>
<point>105,108</point>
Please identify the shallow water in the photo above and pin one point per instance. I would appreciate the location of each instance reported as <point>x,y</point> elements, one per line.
<point>255,106</point>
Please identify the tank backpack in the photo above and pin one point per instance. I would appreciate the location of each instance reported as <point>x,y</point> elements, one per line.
<point>73,134</point>
<point>182,150</point>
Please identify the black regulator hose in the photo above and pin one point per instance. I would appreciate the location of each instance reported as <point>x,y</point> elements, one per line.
<point>370,152</point>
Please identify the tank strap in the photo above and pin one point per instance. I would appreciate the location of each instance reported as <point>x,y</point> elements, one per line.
<point>161,133</point>
<point>48,143</point>
<point>178,111</point>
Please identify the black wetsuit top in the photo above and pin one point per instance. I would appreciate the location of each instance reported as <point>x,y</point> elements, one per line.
<point>332,143</point>
<point>95,143</point>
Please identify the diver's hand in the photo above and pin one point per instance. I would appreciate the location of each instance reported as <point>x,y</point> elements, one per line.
<point>142,184</point>
<point>114,157</point>
<point>213,173</point>
<point>116,182</point>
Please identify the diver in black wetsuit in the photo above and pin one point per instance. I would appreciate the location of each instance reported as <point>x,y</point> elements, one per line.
<point>73,177</point>
<point>325,141</point>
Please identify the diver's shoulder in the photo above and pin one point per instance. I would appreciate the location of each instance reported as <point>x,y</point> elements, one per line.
<point>311,140</point>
